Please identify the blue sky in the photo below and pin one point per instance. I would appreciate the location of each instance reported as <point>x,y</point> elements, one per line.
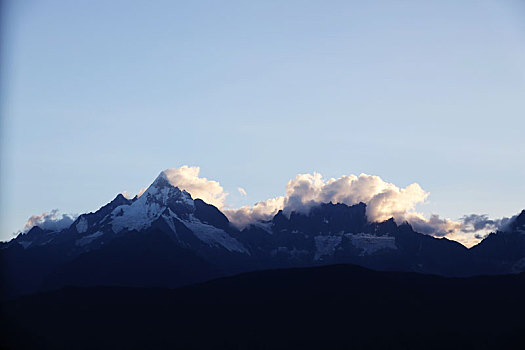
<point>98,97</point>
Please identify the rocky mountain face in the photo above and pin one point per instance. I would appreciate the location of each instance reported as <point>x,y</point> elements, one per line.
<point>166,238</point>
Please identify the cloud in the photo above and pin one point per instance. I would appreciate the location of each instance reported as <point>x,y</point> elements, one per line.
<point>127,195</point>
<point>434,226</point>
<point>50,221</point>
<point>384,200</point>
<point>468,240</point>
<point>479,236</point>
<point>141,192</point>
<point>242,191</point>
<point>187,178</point>
<point>473,228</point>
<point>130,195</point>
<point>476,222</point>
<point>468,230</point>
<point>260,211</point>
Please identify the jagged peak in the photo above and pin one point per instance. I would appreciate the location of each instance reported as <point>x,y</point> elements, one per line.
<point>163,190</point>
<point>153,203</point>
<point>161,180</point>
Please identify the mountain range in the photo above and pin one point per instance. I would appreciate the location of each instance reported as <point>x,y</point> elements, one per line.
<point>166,238</point>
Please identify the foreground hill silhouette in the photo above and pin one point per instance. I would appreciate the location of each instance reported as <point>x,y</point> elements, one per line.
<point>339,306</point>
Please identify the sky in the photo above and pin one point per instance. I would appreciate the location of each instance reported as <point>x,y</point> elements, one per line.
<point>99,97</point>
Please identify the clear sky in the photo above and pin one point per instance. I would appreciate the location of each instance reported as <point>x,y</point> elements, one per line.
<point>98,97</point>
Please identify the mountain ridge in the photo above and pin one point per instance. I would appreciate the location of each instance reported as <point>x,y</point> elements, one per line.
<point>174,239</point>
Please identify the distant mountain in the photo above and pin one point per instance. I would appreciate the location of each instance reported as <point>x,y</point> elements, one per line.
<point>162,238</point>
<point>330,307</point>
<point>503,252</point>
<point>166,238</point>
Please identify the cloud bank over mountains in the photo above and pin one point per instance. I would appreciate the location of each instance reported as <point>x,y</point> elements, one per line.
<point>384,200</point>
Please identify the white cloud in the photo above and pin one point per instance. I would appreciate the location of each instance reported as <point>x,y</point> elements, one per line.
<point>187,178</point>
<point>434,226</point>
<point>384,200</point>
<point>130,195</point>
<point>242,191</point>
<point>260,211</point>
<point>141,192</point>
<point>50,221</point>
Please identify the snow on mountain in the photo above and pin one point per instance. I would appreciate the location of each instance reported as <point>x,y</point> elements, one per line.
<point>369,244</point>
<point>326,245</point>
<point>150,205</point>
<point>164,199</point>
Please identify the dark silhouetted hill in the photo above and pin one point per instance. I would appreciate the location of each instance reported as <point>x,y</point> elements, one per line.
<point>330,307</point>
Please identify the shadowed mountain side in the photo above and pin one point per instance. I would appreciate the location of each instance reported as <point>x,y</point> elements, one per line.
<point>340,306</point>
<point>136,261</point>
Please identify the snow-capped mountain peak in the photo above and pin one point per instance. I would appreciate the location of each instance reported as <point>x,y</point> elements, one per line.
<point>162,207</point>
<point>159,196</point>
<point>165,201</point>
<point>163,191</point>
